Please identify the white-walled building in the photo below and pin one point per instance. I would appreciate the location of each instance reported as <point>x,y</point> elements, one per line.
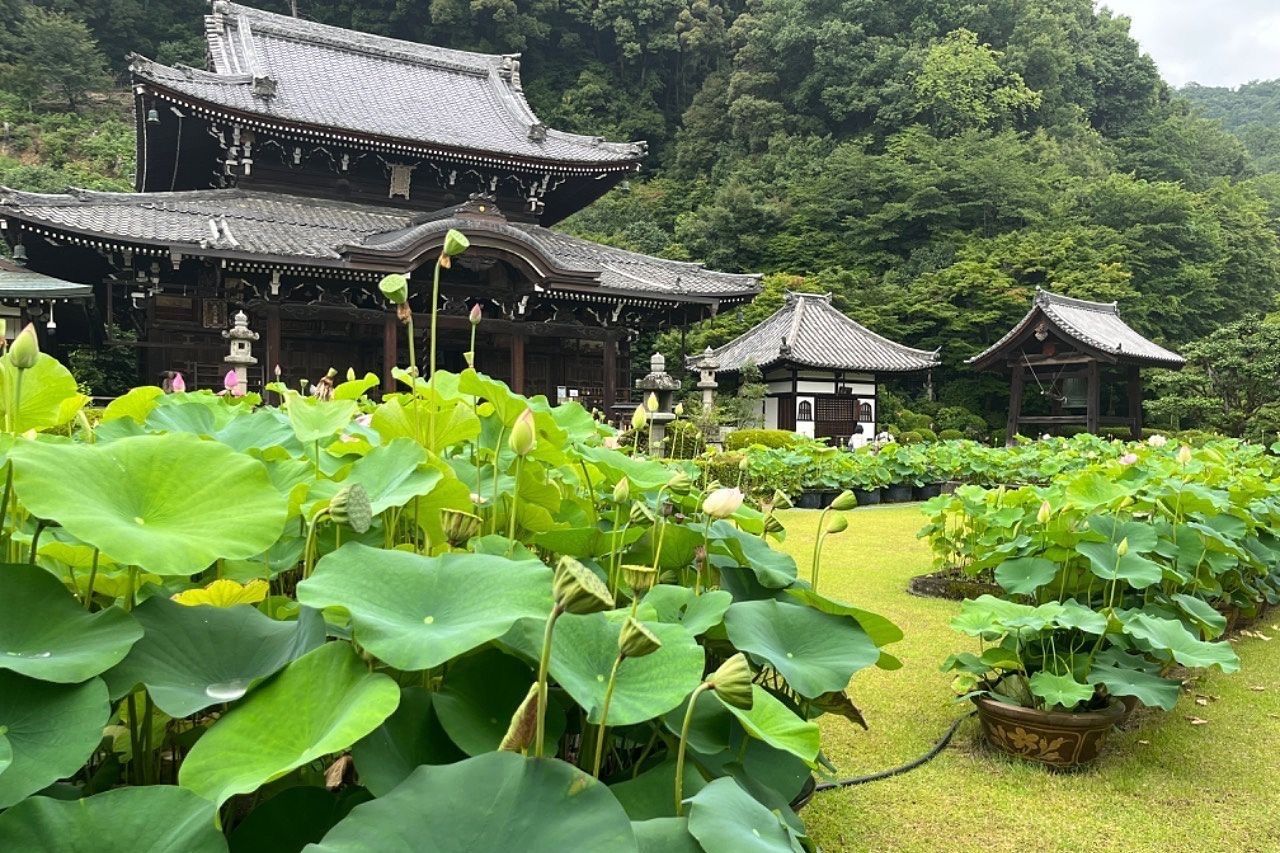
<point>821,368</point>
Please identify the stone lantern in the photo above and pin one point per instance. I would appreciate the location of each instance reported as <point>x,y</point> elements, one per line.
<point>241,355</point>
<point>706,365</point>
<point>663,386</point>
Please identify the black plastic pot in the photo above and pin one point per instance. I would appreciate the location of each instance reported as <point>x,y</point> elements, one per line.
<point>925,492</point>
<point>810,500</point>
<point>867,497</point>
<point>828,495</point>
<point>897,493</point>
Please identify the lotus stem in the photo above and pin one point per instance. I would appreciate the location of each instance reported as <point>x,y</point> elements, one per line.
<point>413,358</point>
<point>684,740</point>
<point>817,549</point>
<point>93,576</point>
<point>515,502</point>
<point>604,715</point>
<point>544,664</point>
<point>35,540</point>
<point>8,490</point>
<point>308,546</point>
<point>435,307</point>
<point>497,456</point>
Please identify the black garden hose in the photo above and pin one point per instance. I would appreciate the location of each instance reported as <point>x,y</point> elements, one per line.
<point>902,768</point>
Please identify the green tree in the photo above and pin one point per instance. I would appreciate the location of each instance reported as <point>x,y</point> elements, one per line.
<point>962,87</point>
<point>54,53</point>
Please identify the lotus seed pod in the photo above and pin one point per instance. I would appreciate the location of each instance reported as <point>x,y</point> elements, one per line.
<point>579,590</point>
<point>1045,513</point>
<point>651,402</point>
<point>636,640</point>
<point>524,723</point>
<point>524,435</point>
<point>680,483</point>
<point>641,514</point>
<point>396,288</point>
<point>350,506</point>
<point>459,526</point>
<point>640,578</point>
<point>781,500</point>
<point>1123,547</point>
<point>732,682</point>
<point>722,503</point>
<point>24,352</point>
<point>844,501</point>
<point>455,243</point>
<point>638,418</point>
<point>477,313</point>
<point>772,525</point>
<point>622,491</point>
<point>838,524</point>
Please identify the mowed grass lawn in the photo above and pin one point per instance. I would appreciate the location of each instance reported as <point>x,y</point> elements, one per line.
<point>1164,785</point>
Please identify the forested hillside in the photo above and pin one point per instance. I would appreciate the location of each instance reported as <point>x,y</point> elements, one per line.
<point>929,162</point>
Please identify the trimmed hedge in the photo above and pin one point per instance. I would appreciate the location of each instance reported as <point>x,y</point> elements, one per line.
<point>772,438</point>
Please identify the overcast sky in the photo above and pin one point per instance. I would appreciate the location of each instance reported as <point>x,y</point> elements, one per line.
<point>1214,42</point>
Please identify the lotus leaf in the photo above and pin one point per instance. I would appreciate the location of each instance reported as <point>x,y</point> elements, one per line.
<point>1024,575</point>
<point>159,502</point>
<point>724,818</point>
<point>50,396</point>
<point>652,793</point>
<point>665,835</point>
<point>1060,690</point>
<point>192,658</point>
<point>680,605</point>
<point>1171,636</point>
<point>409,738</point>
<point>321,703</point>
<point>538,805</point>
<point>769,720</point>
<point>394,474</point>
<point>50,728</point>
<point>314,419</point>
<point>46,634</point>
<point>479,696</point>
<point>418,612</point>
<point>293,818</point>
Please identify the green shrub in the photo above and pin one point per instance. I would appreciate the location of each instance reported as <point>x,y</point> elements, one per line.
<point>960,418</point>
<point>910,437</point>
<point>927,434</point>
<point>914,422</point>
<point>738,439</point>
<point>950,435</point>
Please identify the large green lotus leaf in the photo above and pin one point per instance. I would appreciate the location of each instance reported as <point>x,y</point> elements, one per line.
<point>644,474</point>
<point>192,658</point>
<point>1024,575</point>
<point>724,818</point>
<point>1150,689</point>
<point>772,569</point>
<point>582,653</point>
<point>46,634</point>
<point>815,652</point>
<point>171,504</point>
<point>418,612</point>
<point>394,474</point>
<point>711,728</point>
<point>881,631</point>
<point>135,405</point>
<point>293,818</point>
<point>1060,690</point>
<point>187,415</point>
<point>652,793</point>
<point>50,396</point>
<point>1141,536</point>
<point>456,422</point>
<point>1201,612</point>
<point>321,703</point>
<point>480,694</point>
<point>51,729</point>
<point>1171,636</point>
<point>777,725</point>
<point>259,430</point>
<point>1092,489</point>
<point>314,419</point>
<point>6,753</point>
<point>1133,568</point>
<point>665,835</point>
<point>678,604</point>
<point>409,738</point>
<point>150,818</point>
<point>493,802</point>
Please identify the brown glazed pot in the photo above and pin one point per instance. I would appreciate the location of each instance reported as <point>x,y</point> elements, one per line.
<point>1056,738</point>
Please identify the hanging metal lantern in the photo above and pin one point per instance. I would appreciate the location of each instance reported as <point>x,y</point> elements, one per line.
<point>1075,393</point>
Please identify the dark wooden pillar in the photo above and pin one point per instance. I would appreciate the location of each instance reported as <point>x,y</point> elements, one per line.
<point>273,355</point>
<point>610,375</point>
<point>1093,412</point>
<point>390,350</point>
<point>1016,380</point>
<point>1135,402</point>
<point>517,362</point>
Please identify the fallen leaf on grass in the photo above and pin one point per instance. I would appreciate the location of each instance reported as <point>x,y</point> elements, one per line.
<point>1196,721</point>
<point>1257,688</point>
<point>1144,743</point>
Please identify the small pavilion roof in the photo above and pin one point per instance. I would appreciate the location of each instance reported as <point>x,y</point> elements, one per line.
<point>18,282</point>
<point>808,330</point>
<point>279,229</point>
<point>1095,326</point>
<point>282,70</point>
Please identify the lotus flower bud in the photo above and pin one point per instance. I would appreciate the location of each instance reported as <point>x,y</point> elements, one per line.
<point>351,374</point>
<point>844,501</point>
<point>1129,459</point>
<point>24,352</point>
<point>679,410</point>
<point>636,640</point>
<point>641,514</point>
<point>459,526</point>
<point>732,682</point>
<point>838,524</point>
<point>179,385</point>
<point>651,402</point>
<point>350,506</point>
<point>476,314</point>
<point>640,578</point>
<point>396,288</point>
<point>744,464</point>
<point>524,435</point>
<point>722,503</point>
<point>1157,441</point>
<point>579,590</point>
<point>781,500</point>
<point>638,418</point>
<point>622,491</point>
<point>1045,513</point>
<point>231,382</point>
<point>1123,547</point>
<point>680,483</point>
<point>524,723</point>
<point>455,243</point>
<point>1184,455</point>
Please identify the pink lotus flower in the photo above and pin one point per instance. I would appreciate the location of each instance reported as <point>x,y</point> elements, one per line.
<point>611,442</point>
<point>232,383</point>
<point>365,420</point>
<point>1128,459</point>
<point>476,314</point>
<point>178,384</point>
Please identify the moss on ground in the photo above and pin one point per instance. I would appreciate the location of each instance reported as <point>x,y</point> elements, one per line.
<point>1166,784</point>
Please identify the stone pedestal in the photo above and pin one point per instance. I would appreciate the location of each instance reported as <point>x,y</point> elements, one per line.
<point>241,355</point>
<point>663,386</point>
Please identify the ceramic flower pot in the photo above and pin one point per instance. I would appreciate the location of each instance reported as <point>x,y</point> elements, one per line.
<point>1056,738</point>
